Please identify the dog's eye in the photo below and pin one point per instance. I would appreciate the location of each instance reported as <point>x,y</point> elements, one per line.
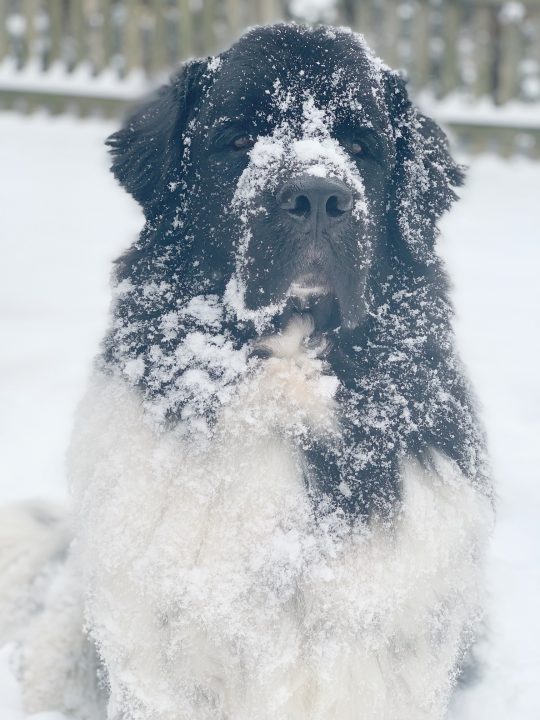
<point>243,142</point>
<point>358,149</point>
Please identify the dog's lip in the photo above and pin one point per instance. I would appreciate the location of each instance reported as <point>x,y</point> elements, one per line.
<point>304,296</point>
<point>308,287</point>
<point>307,291</point>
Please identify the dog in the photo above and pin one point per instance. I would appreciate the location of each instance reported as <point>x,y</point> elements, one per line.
<point>280,486</point>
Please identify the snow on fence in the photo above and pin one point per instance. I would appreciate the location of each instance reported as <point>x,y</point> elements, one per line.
<point>476,61</point>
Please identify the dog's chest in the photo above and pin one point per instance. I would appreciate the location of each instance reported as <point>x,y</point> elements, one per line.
<point>238,519</point>
<point>236,499</point>
<point>209,556</point>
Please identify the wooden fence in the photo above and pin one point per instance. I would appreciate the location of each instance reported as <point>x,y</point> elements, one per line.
<point>101,53</point>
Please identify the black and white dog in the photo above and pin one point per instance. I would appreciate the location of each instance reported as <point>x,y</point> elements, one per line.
<point>279,479</point>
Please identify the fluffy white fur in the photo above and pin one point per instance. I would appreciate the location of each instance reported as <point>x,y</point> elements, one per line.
<point>41,611</point>
<point>212,593</point>
<point>33,535</point>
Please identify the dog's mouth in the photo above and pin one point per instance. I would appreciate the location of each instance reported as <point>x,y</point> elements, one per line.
<point>334,299</point>
<point>312,297</point>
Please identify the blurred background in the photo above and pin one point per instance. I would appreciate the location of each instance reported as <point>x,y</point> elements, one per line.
<point>68,71</point>
<point>475,64</point>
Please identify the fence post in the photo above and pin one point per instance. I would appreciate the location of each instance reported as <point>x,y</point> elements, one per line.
<point>30,9</point>
<point>132,37</point>
<point>420,44</point>
<point>450,70</point>
<point>106,44</point>
<point>78,28</point>
<point>483,53</point>
<point>510,52</point>
<point>269,11</point>
<point>234,23</point>
<point>55,31</point>
<point>361,17</point>
<point>158,56</point>
<point>208,33</point>
<point>186,30</point>
<point>390,33</point>
<point>4,38</point>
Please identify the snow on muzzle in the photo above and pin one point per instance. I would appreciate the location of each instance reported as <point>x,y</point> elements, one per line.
<point>304,219</point>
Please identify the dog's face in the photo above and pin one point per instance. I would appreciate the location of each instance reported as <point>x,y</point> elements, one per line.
<point>278,165</point>
<point>291,180</point>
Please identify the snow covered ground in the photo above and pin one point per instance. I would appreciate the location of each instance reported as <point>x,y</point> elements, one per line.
<point>63,220</point>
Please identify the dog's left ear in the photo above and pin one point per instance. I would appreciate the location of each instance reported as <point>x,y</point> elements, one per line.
<point>149,145</point>
<point>424,173</point>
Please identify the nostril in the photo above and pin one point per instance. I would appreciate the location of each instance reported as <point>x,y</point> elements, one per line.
<point>333,207</point>
<point>339,204</point>
<point>301,206</point>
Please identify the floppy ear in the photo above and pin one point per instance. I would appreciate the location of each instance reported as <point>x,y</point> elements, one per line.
<point>150,142</point>
<point>424,172</point>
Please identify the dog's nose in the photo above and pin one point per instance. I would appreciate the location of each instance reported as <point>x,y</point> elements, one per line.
<point>309,197</point>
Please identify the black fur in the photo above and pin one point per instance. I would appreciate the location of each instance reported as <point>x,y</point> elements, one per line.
<point>403,390</point>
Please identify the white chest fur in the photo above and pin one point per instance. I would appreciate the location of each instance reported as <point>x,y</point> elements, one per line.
<point>213,593</point>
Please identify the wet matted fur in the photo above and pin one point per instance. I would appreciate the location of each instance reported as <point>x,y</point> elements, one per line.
<point>279,476</point>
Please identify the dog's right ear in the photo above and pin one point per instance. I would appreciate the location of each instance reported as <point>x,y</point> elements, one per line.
<point>150,141</point>
<point>425,174</point>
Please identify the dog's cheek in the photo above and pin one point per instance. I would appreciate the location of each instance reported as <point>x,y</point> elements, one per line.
<point>211,222</point>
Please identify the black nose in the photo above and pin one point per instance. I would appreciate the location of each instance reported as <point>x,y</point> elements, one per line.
<point>308,197</point>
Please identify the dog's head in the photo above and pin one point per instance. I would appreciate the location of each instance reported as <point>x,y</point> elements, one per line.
<point>285,166</point>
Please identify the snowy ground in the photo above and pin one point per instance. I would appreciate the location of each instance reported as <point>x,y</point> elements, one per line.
<point>63,220</point>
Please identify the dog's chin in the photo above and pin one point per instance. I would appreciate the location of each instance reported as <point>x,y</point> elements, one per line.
<point>316,301</point>
<point>330,306</point>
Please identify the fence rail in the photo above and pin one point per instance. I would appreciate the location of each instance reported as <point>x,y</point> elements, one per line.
<point>92,53</point>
